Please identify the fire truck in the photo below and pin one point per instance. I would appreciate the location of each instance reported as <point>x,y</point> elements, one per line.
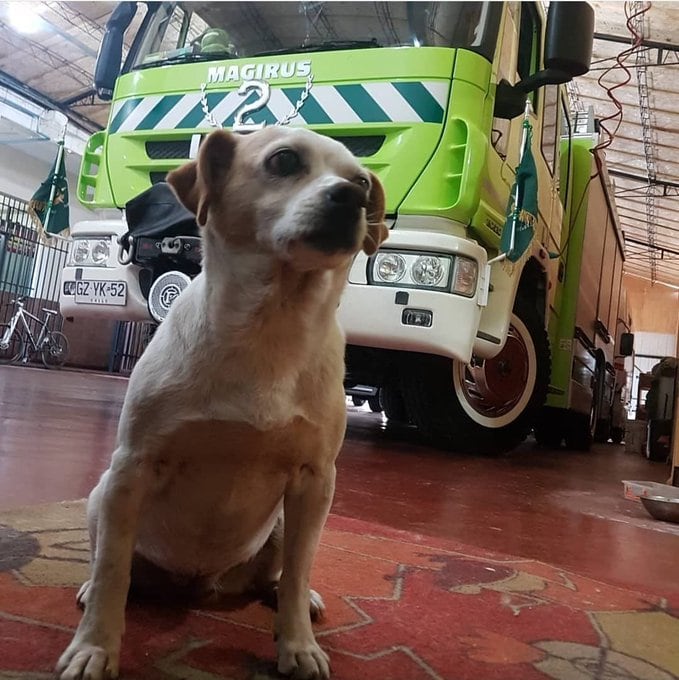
<point>474,347</point>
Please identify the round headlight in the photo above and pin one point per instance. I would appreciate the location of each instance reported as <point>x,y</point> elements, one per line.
<point>390,268</point>
<point>81,251</point>
<point>427,270</point>
<point>100,252</point>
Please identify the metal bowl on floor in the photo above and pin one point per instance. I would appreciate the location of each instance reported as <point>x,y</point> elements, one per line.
<point>662,507</point>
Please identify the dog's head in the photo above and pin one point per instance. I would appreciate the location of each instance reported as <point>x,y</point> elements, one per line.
<point>294,193</point>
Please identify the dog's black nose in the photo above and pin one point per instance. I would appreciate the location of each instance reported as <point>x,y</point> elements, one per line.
<point>338,221</point>
<point>345,196</point>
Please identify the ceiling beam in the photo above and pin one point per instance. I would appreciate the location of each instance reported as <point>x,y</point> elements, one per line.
<point>79,96</point>
<point>81,121</point>
<point>643,178</point>
<point>662,249</point>
<point>627,40</point>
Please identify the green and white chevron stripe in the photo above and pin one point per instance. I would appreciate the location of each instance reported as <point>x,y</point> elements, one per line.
<point>373,102</point>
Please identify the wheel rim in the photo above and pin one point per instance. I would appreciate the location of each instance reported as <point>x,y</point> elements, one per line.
<point>494,392</point>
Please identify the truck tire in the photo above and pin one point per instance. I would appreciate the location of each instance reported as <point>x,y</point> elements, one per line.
<point>488,406</point>
<point>375,403</point>
<point>602,426</point>
<point>393,404</point>
<point>582,429</point>
<point>549,428</point>
<point>617,435</point>
<point>578,433</point>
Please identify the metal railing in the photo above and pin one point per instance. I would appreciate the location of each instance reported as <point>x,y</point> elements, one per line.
<point>130,339</point>
<point>30,267</point>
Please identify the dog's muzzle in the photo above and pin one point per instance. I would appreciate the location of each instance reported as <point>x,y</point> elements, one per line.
<point>336,228</point>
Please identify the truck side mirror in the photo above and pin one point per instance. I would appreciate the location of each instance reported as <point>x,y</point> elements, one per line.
<point>569,37</point>
<point>510,102</point>
<point>627,344</point>
<point>110,54</point>
<point>568,45</point>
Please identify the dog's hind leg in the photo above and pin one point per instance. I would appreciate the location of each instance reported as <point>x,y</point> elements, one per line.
<point>261,575</point>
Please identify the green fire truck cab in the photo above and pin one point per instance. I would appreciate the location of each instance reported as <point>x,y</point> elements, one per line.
<point>428,95</point>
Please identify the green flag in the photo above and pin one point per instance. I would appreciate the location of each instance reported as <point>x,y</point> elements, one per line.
<point>522,208</point>
<point>52,215</point>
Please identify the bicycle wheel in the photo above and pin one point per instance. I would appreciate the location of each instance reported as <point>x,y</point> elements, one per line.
<point>14,349</point>
<point>55,351</point>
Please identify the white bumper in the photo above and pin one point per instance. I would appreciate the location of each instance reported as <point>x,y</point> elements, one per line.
<point>371,316</point>
<point>135,307</point>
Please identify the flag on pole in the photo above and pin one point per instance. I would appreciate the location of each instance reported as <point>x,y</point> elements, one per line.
<point>522,208</point>
<point>49,204</point>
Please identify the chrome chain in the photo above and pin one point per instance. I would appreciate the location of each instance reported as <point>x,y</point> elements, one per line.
<point>300,102</point>
<point>294,111</point>
<point>206,109</point>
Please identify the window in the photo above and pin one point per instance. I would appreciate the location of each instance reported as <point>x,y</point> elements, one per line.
<point>529,45</point>
<point>550,125</point>
<point>207,31</point>
<point>529,41</point>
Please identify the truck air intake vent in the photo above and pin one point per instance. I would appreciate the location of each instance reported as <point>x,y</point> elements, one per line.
<point>362,146</point>
<point>175,148</point>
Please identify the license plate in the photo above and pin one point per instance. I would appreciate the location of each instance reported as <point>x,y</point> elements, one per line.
<point>101,292</point>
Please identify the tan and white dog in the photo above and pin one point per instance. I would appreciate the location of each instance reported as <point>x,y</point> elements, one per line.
<point>235,413</point>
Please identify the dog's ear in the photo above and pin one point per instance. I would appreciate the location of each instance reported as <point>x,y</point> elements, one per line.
<point>184,181</point>
<point>199,182</point>
<point>377,229</point>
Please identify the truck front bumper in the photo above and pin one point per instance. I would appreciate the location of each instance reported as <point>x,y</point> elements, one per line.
<point>135,307</point>
<point>374,315</point>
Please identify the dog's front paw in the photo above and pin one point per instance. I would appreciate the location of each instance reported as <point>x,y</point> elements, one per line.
<point>85,661</point>
<point>316,606</point>
<point>83,595</point>
<point>303,660</point>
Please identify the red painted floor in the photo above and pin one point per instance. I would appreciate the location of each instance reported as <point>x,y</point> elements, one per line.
<point>57,430</point>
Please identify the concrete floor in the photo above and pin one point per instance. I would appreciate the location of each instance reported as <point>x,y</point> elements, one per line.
<point>565,508</point>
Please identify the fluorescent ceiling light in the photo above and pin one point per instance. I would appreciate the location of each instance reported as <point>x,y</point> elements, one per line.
<point>24,17</point>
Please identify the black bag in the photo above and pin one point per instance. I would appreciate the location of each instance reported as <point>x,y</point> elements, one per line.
<point>157,213</point>
<point>161,232</point>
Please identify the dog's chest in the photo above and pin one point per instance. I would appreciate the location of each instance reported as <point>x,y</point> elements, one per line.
<point>218,488</point>
<point>221,457</point>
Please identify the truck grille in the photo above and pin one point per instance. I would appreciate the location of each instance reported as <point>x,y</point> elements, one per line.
<point>176,148</point>
<point>362,147</point>
<point>179,149</point>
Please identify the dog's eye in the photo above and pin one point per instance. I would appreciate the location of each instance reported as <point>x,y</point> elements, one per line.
<point>363,182</point>
<point>284,163</point>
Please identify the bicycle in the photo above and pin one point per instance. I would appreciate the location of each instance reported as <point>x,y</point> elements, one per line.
<point>15,340</point>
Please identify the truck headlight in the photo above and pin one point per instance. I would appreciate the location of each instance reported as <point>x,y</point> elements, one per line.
<point>90,252</point>
<point>100,252</point>
<point>80,251</point>
<point>390,268</point>
<point>426,271</point>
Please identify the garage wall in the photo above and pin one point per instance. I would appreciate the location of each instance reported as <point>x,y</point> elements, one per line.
<point>655,323</point>
<point>21,174</point>
<point>654,308</point>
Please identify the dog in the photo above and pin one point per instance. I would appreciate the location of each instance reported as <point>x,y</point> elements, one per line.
<point>224,466</point>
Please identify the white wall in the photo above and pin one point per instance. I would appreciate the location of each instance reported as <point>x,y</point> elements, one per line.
<point>21,174</point>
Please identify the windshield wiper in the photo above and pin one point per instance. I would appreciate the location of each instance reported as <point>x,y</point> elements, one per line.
<point>186,59</point>
<point>325,46</point>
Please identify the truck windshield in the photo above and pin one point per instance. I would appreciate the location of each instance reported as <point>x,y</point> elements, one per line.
<point>206,31</point>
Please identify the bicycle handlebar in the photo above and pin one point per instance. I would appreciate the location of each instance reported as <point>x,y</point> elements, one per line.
<point>18,301</point>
